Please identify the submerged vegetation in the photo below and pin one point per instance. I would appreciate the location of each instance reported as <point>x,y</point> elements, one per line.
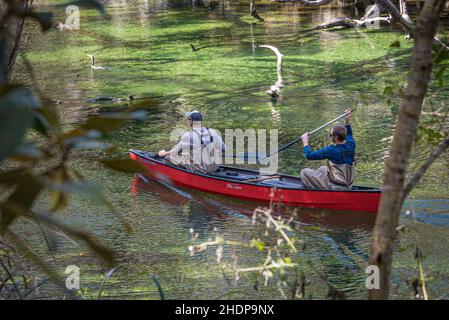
<point>64,123</point>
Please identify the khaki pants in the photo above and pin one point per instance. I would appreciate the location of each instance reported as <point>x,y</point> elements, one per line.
<point>202,168</point>
<point>318,179</point>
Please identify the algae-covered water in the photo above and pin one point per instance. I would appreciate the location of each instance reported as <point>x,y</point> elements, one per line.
<point>145,46</point>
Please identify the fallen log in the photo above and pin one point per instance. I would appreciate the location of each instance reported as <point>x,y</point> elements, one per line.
<point>276,87</point>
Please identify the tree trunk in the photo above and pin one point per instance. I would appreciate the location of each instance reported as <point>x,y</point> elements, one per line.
<point>404,135</point>
<point>11,30</point>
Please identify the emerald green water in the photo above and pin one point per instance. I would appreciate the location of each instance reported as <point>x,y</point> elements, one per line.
<point>146,48</point>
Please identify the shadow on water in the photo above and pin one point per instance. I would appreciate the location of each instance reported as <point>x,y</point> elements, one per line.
<point>222,206</point>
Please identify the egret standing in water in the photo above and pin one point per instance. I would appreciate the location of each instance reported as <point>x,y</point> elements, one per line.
<point>93,66</point>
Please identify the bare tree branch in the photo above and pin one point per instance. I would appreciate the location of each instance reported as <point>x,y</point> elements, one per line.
<point>404,11</point>
<point>436,114</point>
<point>352,23</point>
<point>438,151</point>
<point>370,11</point>
<point>396,14</point>
<point>276,87</point>
<point>445,46</point>
<point>387,4</point>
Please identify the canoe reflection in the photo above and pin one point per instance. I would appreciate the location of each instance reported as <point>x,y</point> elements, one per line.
<point>221,206</point>
<point>337,241</point>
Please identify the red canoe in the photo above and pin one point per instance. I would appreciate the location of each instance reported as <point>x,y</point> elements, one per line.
<point>239,183</point>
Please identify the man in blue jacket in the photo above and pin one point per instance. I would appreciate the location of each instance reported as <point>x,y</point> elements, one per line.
<point>338,173</point>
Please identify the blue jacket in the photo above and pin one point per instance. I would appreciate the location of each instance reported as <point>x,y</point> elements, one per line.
<point>337,153</point>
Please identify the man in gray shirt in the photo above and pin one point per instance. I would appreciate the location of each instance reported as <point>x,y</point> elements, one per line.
<point>199,149</point>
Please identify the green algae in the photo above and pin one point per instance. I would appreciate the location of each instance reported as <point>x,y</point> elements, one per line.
<point>147,52</point>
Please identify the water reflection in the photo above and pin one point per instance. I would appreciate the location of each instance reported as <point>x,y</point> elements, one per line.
<point>336,241</point>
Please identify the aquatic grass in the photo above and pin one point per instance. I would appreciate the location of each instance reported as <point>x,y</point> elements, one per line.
<point>181,61</point>
<point>157,282</point>
<point>107,276</point>
<point>226,80</point>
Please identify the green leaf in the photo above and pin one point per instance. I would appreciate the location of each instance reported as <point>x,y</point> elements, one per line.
<point>40,123</point>
<point>51,115</point>
<point>388,90</point>
<point>257,244</point>
<point>101,251</point>
<point>90,190</point>
<point>14,176</point>
<point>9,212</point>
<point>59,199</point>
<point>124,165</point>
<point>439,76</point>
<point>16,105</point>
<point>27,190</point>
<point>82,188</point>
<point>85,139</point>
<point>429,135</point>
<point>107,122</point>
<point>439,53</point>
<point>103,124</point>
<point>27,152</point>
<point>85,188</point>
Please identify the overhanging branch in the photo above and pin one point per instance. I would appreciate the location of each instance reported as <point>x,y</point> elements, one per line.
<point>442,147</point>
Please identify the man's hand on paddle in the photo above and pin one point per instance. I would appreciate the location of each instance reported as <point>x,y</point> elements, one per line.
<point>162,153</point>
<point>305,139</point>
<point>348,116</point>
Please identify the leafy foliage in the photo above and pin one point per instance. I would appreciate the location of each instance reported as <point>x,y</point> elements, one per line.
<point>16,105</point>
<point>441,62</point>
<point>42,163</point>
<point>25,183</point>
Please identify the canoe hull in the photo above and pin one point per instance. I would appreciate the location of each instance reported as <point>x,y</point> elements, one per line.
<point>359,201</point>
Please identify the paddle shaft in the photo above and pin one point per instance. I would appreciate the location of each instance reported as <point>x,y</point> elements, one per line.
<point>288,145</point>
